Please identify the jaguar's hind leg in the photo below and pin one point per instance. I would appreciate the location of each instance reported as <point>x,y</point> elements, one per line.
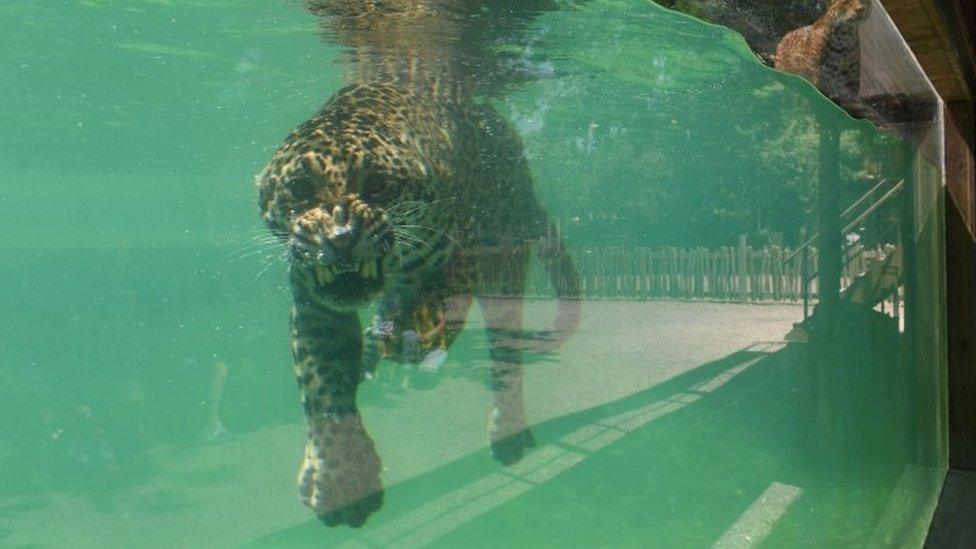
<point>508,434</point>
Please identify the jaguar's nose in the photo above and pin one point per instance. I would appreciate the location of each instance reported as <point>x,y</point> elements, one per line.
<point>339,215</point>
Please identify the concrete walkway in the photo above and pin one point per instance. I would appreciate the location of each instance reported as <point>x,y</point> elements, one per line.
<point>240,489</point>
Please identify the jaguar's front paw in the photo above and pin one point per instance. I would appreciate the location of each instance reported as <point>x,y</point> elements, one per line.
<point>508,438</point>
<point>340,478</point>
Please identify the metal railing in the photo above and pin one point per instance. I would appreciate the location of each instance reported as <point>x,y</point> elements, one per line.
<point>878,240</point>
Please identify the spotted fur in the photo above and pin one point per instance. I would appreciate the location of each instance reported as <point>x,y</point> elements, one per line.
<point>399,187</point>
<point>828,53</point>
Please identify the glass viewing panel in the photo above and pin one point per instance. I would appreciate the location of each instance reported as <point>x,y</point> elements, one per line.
<point>559,273</point>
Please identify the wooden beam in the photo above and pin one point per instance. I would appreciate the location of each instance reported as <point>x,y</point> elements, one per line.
<point>930,34</point>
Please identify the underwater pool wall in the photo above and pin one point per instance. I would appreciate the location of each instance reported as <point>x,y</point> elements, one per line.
<point>757,264</point>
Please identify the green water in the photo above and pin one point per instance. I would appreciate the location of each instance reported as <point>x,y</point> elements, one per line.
<point>145,367</point>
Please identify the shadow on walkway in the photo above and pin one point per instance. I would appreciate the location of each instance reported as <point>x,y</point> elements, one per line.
<point>728,454</point>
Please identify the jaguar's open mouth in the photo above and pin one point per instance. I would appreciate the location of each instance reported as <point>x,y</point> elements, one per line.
<point>367,270</point>
<point>350,284</point>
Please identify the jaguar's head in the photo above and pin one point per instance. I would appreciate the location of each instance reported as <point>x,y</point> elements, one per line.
<point>849,11</point>
<point>342,247</point>
<point>348,226</point>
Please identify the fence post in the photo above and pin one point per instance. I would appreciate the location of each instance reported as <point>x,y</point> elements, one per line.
<point>725,271</point>
<point>743,269</point>
<point>805,274</point>
<point>777,273</point>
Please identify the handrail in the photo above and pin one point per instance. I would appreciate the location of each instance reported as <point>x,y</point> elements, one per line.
<point>848,257</point>
<point>848,210</point>
<point>802,247</point>
<point>887,196</point>
<point>865,196</point>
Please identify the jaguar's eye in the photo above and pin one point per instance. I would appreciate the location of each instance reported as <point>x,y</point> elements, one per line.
<point>301,188</point>
<point>376,189</point>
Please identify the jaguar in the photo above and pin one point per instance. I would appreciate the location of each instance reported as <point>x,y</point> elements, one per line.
<point>407,187</point>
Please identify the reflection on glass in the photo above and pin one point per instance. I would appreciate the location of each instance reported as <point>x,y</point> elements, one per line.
<point>690,278</point>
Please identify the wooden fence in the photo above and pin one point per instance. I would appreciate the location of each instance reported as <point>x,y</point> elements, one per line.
<point>737,274</point>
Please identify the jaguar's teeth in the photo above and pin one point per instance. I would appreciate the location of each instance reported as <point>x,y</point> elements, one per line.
<point>364,269</point>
